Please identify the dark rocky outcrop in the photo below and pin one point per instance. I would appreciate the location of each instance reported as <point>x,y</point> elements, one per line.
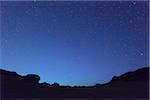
<point>33,79</point>
<point>131,85</point>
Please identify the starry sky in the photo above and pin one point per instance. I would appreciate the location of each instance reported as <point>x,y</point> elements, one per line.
<point>74,43</point>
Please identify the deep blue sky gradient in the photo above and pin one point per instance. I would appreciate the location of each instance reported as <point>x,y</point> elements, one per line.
<point>74,43</point>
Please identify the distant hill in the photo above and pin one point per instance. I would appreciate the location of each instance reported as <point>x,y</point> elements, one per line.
<point>131,85</point>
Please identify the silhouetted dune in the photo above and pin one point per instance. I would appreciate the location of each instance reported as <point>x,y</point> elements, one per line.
<point>130,85</point>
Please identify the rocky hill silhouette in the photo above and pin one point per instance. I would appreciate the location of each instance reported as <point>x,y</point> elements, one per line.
<point>131,85</point>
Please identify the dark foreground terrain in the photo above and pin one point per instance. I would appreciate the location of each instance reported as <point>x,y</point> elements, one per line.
<point>131,85</point>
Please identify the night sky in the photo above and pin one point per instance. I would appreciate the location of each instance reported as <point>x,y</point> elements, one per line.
<point>74,43</point>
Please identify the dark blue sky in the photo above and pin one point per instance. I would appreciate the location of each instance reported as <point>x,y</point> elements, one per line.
<point>74,43</point>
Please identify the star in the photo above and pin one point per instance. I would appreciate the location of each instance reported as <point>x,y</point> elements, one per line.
<point>125,55</point>
<point>5,40</point>
<point>131,21</point>
<point>34,7</point>
<point>141,54</point>
<point>134,3</point>
<point>34,1</point>
<point>27,12</point>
